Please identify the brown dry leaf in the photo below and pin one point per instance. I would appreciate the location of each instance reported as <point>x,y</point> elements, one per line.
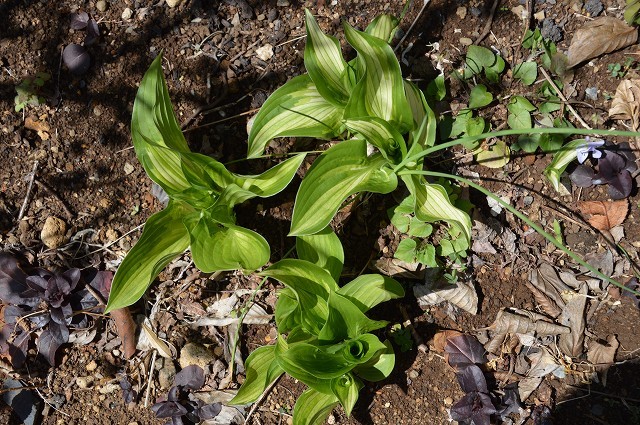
<point>604,215</point>
<point>462,295</point>
<point>510,323</point>
<point>546,304</point>
<point>126,330</point>
<point>440,339</point>
<point>41,127</point>
<point>573,316</point>
<point>602,356</point>
<point>626,103</point>
<point>602,35</point>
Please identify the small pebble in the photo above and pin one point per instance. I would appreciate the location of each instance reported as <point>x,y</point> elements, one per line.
<point>448,401</point>
<point>101,5</point>
<point>83,381</point>
<point>127,13</point>
<point>128,168</point>
<point>413,374</point>
<point>173,3</point>
<point>591,93</point>
<point>91,366</point>
<point>282,3</point>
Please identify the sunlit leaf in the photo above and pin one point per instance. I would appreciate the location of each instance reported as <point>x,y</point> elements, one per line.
<point>295,109</point>
<point>346,320</point>
<point>313,408</point>
<point>339,172</point>
<point>323,249</point>
<point>380,134</point>
<point>261,370</point>
<point>379,367</point>
<point>383,27</point>
<point>164,238</point>
<point>369,290</point>
<point>346,388</point>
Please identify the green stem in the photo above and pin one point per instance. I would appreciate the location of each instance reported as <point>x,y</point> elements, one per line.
<point>514,132</point>
<point>526,219</point>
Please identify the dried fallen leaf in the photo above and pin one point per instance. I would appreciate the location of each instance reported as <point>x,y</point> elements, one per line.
<point>39,126</point>
<point>626,103</point>
<point>546,304</point>
<point>573,316</point>
<point>460,294</point>
<point>440,339</point>
<point>605,215</point>
<point>603,355</point>
<point>398,269</point>
<point>511,323</point>
<point>126,330</point>
<point>150,340</point>
<point>546,280</point>
<point>602,35</point>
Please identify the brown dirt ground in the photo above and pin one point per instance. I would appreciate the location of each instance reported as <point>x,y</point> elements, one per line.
<point>86,159</point>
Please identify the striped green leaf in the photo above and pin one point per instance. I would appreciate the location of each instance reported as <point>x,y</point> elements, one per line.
<point>164,238</point>
<point>341,171</point>
<point>380,134</point>
<point>381,85</point>
<point>261,370</point>
<point>272,181</point>
<point>383,27</point>
<point>325,64</point>
<point>433,204</point>
<point>561,161</point>
<point>313,408</point>
<point>368,290</point>
<point>347,388</point>
<point>322,249</point>
<point>295,109</point>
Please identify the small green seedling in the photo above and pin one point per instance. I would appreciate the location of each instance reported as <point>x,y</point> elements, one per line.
<point>29,91</point>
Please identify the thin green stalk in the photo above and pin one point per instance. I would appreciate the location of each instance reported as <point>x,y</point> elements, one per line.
<point>526,219</point>
<point>514,132</point>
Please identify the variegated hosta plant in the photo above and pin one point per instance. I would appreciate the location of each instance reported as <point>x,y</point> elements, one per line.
<point>202,194</point>
<point>324,337</point>
<point>382,121</point>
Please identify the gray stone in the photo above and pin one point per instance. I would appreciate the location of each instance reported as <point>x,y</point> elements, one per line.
<point>166,373</point>
<point>53,232</point>
<point>101,5</point>
<point>197,354</point>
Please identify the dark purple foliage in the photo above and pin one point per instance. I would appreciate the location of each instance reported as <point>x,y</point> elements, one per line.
<point>634,285</point>
<point>48,301</point>
<point>509,402</point>
<point>128,393</point>
<point>471,379</point>
<point>475,407</point>
<point>614,169</point>
<point>76,58</point>
<point>180,406</point>
<point>464,350</point>
<point>81,20</point>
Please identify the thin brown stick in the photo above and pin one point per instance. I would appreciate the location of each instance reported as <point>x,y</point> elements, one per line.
<point>487,26</point>
<point>564,99</point>
<point>404,37</point>
<point>416,336</point>
<point>27,196</point>
<point>261,398</point>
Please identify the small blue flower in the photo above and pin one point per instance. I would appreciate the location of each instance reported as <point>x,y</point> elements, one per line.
<point>589,147</point>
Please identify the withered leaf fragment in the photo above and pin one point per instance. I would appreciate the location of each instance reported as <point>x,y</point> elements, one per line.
<point>626,103</point>
<point>602,35</point>
<point>573,316</point>
<point>507,322</point>
<point>605,215</point>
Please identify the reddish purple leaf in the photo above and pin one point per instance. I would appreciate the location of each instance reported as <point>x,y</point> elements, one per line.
<point>76,58</point>
<point>463,350</point>
<point>79,20</point>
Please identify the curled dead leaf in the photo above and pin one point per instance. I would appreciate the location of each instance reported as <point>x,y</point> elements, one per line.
<point>605,215</point>
<point>126,330</point>
<point>507,322</point>
<point>602,35</point>
<point>546,304</point>
<point>440,339</point>
<point>626,103</point>
<point>603,355</point>
<point>460,294</point>
<point>573,316</point>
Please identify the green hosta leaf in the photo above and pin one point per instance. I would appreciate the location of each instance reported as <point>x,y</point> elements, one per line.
<point>217,244</point>
<point>324,63</point>
<point>381,88</point>
<point>323,249</point>
<point>381,135</point>
<point>295,109</point>
<point>432,203</point>
<point>561,160</point>
<point>519,112</point>
<point>341,171</point>
<point>346,388</point>
<point>261,370</point>
<point>310,285</point>
<point>273,180</point>
<point>288,313</point>
<point>345,320</point>
<point>300,367</point>
<point>527,72</point>
<point>360,350</point>
<point>368,290</point>
<point>313,408</point>
<point>437,90</point>
<point>164,238</point>
<point>479,97</point>
<point>424,119</point>
<point>417,102</point>
<point>383,27</point>
<point>379,367</point>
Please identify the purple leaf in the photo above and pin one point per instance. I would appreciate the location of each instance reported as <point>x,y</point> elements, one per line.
<point>191,377</point>
<point>471,379</point>
<point>13,281</point>
<point>76,58</point>
<point>620,187</point>
<point>634,285</point>
<point>128,393</point>
<point>168,409</point>
<point>209,411</point>
<point>93,32</point>
<point>474,406</point>
<point>47,346</point>
<point>463,350</point>
<point>79,20</point>
<point>582,176</point>
<point>59,332</point>
<point>510,401</point>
